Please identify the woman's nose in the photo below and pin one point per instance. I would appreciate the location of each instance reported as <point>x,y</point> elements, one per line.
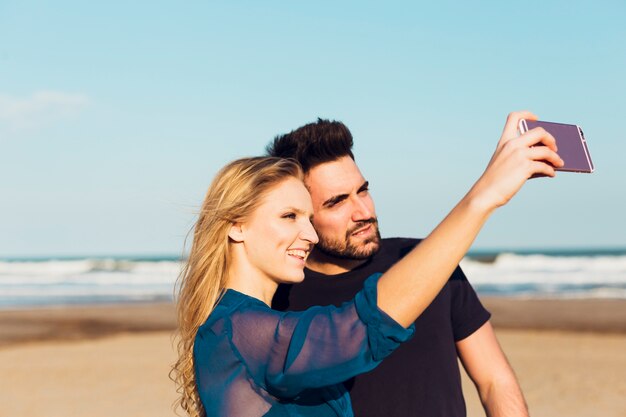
<point>309,234</point>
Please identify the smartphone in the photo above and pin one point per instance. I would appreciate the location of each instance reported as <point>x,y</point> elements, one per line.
<point>570,141</point>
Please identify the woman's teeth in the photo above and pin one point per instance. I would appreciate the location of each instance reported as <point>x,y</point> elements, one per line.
<point>297,253</point>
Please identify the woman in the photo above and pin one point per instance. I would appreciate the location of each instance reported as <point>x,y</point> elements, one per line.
<point>238,357</point>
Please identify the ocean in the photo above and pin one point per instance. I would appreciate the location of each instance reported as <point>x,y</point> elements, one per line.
<point>26,283</point>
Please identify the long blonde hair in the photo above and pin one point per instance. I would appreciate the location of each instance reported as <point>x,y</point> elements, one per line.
<point>234,194</point>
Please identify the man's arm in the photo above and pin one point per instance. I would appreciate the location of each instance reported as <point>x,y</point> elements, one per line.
<point>494,378</point>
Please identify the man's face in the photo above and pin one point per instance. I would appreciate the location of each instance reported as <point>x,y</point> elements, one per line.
<point>345,218</point>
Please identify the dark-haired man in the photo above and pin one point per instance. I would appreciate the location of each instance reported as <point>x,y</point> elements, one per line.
<point>422,377</point>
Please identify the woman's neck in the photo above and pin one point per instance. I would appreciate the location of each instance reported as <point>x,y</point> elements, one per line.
<point>250,282</point>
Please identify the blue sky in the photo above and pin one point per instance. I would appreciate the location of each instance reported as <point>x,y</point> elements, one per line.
<point>114,116</point>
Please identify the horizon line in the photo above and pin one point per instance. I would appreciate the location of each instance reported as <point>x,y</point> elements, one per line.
<point>486,251</point>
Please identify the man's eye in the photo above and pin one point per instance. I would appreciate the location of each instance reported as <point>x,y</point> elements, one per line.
<point>335,202</point>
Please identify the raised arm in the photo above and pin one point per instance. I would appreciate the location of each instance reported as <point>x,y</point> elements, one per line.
<point>409,286</point>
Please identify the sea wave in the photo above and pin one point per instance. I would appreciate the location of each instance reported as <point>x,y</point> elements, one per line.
<point>537,275</point>
<point>84,266</point>
<point>511,268</point>
<point>86,281</point>
<point>100,280</point>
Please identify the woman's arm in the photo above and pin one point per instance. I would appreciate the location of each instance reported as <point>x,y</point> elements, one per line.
<point>406,289</point>
<point>289,352</point>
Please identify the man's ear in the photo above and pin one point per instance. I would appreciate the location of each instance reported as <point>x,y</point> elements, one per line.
<point>236,233</point>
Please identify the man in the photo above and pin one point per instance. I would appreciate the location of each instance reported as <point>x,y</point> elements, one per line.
<point>422,377</point>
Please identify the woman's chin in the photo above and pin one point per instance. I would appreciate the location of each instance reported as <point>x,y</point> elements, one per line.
<point>293,278</point>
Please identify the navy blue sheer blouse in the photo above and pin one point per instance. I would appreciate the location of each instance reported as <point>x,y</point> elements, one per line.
<point>252,361</point>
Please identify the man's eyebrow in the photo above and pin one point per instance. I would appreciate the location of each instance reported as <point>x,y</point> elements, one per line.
<point>340,197</point>
<point>334,200</point>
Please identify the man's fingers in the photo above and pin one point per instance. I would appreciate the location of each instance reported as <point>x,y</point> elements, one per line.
<point>512,121</point>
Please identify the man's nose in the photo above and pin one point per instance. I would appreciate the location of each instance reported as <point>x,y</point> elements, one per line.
<point>362,210</point>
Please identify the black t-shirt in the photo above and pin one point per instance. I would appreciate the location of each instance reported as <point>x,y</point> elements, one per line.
<point>422,377</point>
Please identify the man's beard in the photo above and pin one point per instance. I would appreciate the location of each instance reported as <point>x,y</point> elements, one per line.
<point>346,249</point>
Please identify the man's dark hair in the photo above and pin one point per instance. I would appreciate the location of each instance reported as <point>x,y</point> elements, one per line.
<point>313,144</point>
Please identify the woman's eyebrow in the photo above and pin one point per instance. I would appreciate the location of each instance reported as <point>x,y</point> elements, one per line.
<point>296,210</point>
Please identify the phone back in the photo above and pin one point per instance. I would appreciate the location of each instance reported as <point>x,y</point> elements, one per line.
<point>571,143</point>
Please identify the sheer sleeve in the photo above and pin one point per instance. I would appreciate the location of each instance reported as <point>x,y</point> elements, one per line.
<point>288,352</point>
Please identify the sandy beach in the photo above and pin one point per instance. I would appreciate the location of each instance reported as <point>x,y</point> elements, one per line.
<point>96,361</point>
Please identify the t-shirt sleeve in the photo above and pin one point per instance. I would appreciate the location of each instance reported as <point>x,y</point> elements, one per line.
<point>467,312</point>
<point>287,353</point>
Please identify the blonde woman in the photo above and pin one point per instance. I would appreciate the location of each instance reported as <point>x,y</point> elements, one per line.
<point>238,357</point>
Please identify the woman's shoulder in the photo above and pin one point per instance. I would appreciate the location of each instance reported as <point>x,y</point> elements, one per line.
<point>243,309</point>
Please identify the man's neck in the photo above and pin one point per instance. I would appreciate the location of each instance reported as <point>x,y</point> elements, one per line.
<point>330,265</point>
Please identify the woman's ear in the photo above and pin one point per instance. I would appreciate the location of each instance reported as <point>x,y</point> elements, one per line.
<point>236,233</point>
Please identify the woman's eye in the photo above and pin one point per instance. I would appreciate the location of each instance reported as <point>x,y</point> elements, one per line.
<point>289,216</point>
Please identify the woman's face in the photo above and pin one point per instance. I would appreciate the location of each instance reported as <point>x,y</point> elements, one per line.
<point>279,236</point>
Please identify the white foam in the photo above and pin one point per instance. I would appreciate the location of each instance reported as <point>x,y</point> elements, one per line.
<point>519,269</point>
<point>91,280</point>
